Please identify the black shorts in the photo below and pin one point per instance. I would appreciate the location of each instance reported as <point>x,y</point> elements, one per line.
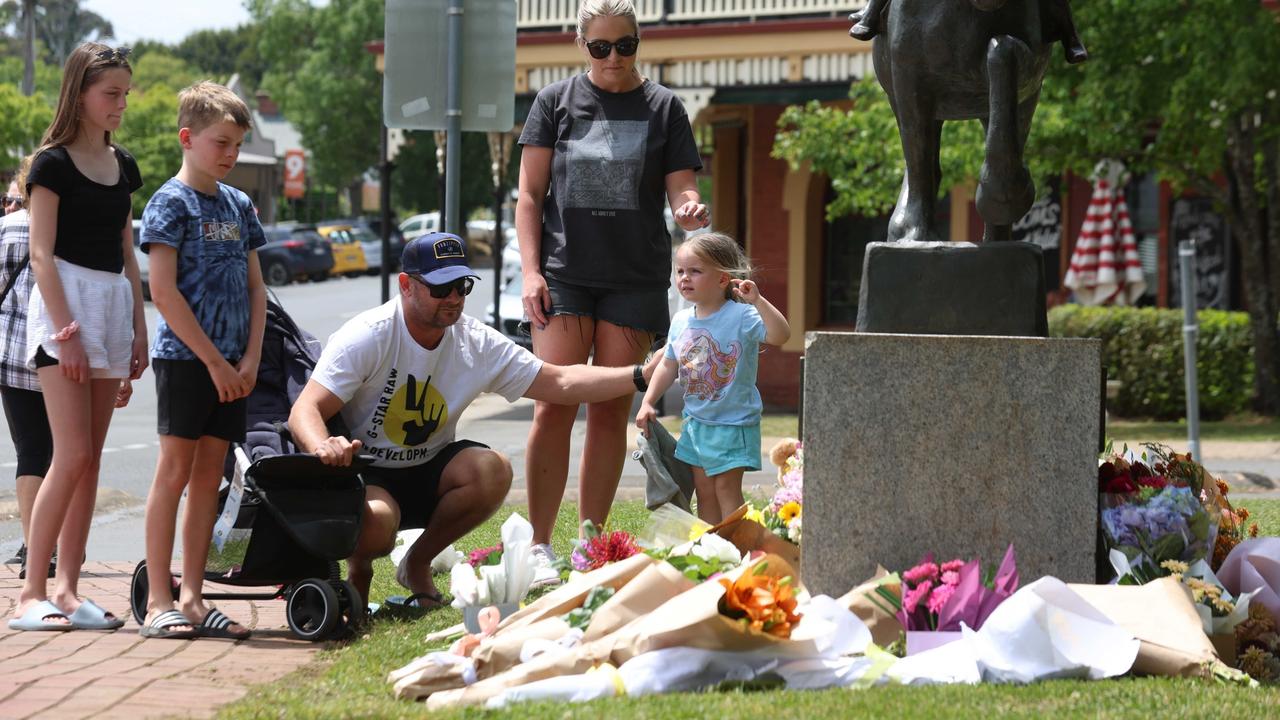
<point>416,489</point>
<point>29,428</point>
<point>644,310</point>
<point>187,403</point>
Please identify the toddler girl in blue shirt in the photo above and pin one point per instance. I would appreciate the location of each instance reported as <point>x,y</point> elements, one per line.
<point>713,348</point>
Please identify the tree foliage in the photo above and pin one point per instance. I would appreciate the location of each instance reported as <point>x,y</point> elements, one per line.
<point>223,53</point>
<point>325,81</point>
<point>1187,90</point>
<point>61,25</point>
<point>22,123</point>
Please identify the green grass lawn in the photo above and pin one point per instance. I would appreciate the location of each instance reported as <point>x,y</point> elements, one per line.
<point>1246,429</point>
<point>349,680</point>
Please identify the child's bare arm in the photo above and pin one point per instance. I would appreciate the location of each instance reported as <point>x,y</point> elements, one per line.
<point>248,365</point>
<point>663,376</point>
<point>177,313</point>
<point>776,328</point>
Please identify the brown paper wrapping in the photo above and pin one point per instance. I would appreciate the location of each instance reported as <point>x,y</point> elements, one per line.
<point>750,536</point>
<point>572,594</point>
<point>501,651</point>
<point>649,590</point>
<point>1162,615</point>
<point>690,619</point>
<point>885,628</point>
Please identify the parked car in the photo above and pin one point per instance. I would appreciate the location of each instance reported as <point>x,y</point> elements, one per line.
<point>294,252</point>
<point>370,244</point>
<point>422,224</point>
<point>373,224</point>
<point>348,253</point>
<point>512,311</point>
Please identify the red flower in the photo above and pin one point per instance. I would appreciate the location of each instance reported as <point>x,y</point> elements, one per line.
<point>1158,483</point>
<point>609,547</point>
<point>1120,485</point>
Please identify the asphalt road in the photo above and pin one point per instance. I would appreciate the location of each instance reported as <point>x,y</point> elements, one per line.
<point>129,455</point>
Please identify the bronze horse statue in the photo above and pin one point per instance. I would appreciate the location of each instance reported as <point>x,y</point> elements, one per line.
<point>942,60</point>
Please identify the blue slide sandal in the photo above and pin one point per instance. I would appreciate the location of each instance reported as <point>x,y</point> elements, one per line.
<point>35,618</point>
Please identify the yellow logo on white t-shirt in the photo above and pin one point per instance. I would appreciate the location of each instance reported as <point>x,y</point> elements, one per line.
<point>417,410</point>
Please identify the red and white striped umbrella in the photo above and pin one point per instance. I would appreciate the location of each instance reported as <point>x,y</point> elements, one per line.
<point>1105,268</point>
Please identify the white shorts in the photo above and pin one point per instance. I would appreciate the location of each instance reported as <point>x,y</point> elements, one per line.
<point>102,304</point>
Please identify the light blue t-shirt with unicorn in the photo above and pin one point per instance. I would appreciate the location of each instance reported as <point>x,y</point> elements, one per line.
<point>718,356</point>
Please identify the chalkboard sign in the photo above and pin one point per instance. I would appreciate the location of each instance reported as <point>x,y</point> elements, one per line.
<point>1195,219</point>
<point>1042,225</point>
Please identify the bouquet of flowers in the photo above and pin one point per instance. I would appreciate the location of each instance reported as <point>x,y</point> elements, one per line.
<point>1231,524</point>
<point>933,596</point>
<point>598,548</point>
<point>1151,508</point>
<point>498,575</point>
<point>783,514</point>
<point>1219,611</point>
<point>702,559</point>
<point>761,601</point>
<point>1258,644</point>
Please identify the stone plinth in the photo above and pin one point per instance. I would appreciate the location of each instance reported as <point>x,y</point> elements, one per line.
<point>958,445</point>
<point>953,289</point>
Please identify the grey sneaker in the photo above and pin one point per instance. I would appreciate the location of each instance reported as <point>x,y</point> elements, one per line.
<point>544,564</point>
<point>19,558</point>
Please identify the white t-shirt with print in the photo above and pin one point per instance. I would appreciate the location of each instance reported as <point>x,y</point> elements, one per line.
<point>402,400</point>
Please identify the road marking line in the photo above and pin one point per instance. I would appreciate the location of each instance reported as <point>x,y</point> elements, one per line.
<point>135,446</point>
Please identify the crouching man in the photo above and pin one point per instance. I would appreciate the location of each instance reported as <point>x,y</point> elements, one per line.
<point>401,375</point>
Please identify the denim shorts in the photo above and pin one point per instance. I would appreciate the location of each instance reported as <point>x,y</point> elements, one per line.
<point>719,448</point>
<point>644,309</point>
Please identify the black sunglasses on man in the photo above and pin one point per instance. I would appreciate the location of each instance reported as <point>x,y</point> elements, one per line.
<point>463,286</point>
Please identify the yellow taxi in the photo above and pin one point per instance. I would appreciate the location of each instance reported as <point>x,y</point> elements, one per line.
<point>348,253</point>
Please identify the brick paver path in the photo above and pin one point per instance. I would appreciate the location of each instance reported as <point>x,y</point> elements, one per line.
<point>83,673</point>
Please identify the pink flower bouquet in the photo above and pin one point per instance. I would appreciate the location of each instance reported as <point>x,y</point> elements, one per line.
<point>936,596</point>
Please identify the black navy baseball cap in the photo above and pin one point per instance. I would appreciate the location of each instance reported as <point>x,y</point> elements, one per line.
<point>437,258</point>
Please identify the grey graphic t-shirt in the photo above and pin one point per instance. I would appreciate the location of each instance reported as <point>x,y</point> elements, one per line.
<point>213,235</point>
<point>611,153</point>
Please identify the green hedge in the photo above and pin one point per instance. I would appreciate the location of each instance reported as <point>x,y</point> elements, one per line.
<point>1142,348</point>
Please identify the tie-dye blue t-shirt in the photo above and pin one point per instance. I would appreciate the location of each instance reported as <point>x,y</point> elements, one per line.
<point>213,235</point>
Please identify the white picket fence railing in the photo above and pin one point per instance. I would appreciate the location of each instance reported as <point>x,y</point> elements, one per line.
<point>682,10</point>
<point>564,13</point>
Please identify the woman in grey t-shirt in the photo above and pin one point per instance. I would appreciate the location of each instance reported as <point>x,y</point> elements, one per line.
<point>602,152</point>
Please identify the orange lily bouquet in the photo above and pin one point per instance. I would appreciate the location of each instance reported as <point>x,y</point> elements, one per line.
<point>762,602</point>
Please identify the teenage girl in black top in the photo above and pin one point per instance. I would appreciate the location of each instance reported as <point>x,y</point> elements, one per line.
<point>86,331</point>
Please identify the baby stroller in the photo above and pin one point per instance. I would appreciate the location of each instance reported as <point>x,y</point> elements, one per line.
<point>285,519</point>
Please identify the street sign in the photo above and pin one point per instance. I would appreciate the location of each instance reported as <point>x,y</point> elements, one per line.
<point>295,173</point>
<point>415,82</point>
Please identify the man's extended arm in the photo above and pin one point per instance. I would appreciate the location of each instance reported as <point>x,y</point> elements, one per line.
<point>307,421</point>
<point>569,384</point>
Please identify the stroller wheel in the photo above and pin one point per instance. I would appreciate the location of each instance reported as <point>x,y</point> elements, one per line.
<point>312,609</point>
<point>354,611</point>
<point>140,590</point>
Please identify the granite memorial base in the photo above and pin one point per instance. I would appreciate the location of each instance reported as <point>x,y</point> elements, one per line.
<point>951,444</point>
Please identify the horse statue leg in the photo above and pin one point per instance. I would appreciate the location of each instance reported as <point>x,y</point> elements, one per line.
<point>921,133</point>
<point>1005,188</point>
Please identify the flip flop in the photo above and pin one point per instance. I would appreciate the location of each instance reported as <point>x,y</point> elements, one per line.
<point>218,625</point>
<point>35,618</point>
<point>160,627</point>
<point>415,602</point>
<point>90,616</point>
